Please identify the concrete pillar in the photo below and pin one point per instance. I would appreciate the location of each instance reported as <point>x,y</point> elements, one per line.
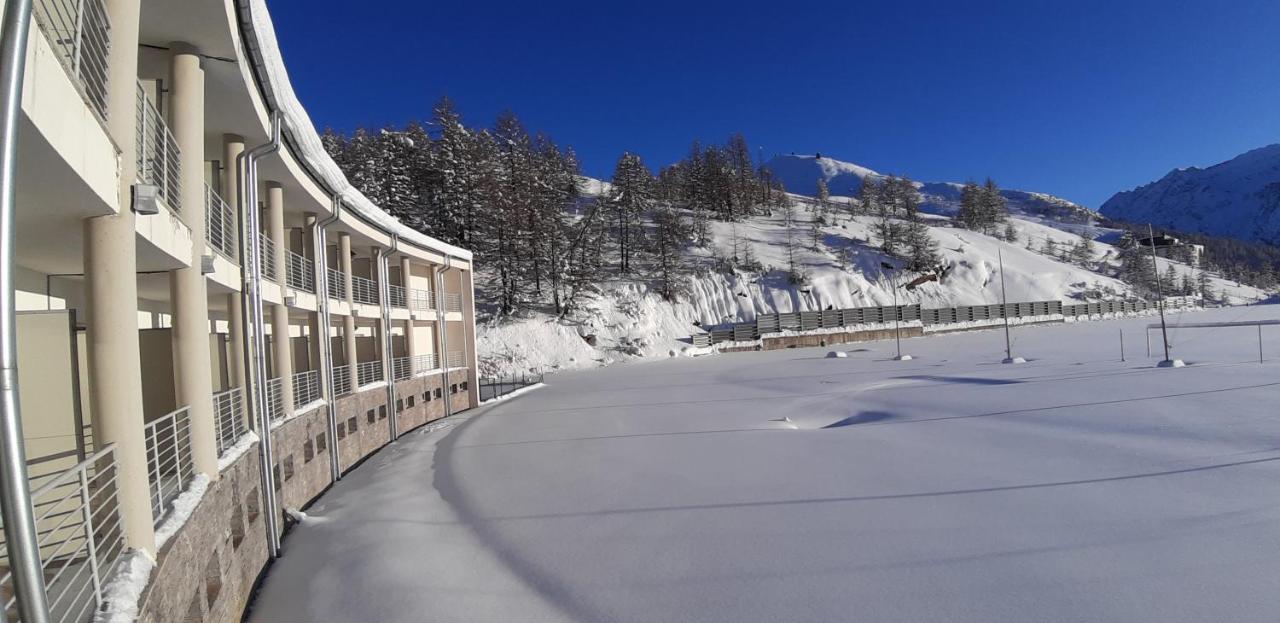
<point>192,369</point>
<point>437,292</point>
<point>349,344</point>
<point>232,147</point>
<point>410,349</point>
<point>275,227</point>
<point>282,354</point>
<point>111,294</point>
<point>236,328</point>
<point>344,264</point>
<point>315,333</point>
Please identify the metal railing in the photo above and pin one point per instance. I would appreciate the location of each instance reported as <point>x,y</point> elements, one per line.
<point>337,284</point>
<point>401,368</point>
<point>364,290</point>
<point>425,363</point>
<point>275,399</point>
<point>80,33</point>
<point>421,299</point>
<point>397,296</point>
<point>341,380</point>
<point>228,408</point>
<point>157,153</point>
<point>368,372</point>
<point>491,388</point>
<point>268,246</point>
<point>452,302</point>
<point>79,535</point>
<point>169,465</point>
<point>306,387</point>
<point>219,224</point>
<point>300,272</point>
<point>453,359</point>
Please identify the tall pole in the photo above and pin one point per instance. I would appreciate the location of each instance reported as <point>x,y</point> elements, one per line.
<point>1164,332</point>
<point>897,335</point>
<point>21,542</point>
<point>1004,311</point>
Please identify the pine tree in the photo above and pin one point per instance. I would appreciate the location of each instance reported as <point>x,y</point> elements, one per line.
<point>922,249</point>
<point>1084,252</point>
<point>971,214</point>
<point>868,197</point>
<point>1010,232</point>
<point>885,207</point>
<point>994,208</point>
<point>795,273</point>
<point>632,198</point>
<point>824,195</point>
<point>669,235</point>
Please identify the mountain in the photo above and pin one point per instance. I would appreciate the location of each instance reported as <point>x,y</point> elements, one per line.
<point>800,175</point>
<point>1239,198</point>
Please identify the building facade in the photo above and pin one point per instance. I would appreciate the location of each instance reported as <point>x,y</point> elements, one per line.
<point>212,324</point>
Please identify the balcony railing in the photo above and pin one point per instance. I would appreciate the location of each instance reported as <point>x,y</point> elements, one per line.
<point>306,387</point>
<point>157,153</point>
<point>169,465</point>
<point>275,399</point>
<point>300,273</point>
<point>422,299</point>
<point>337,284</point>
<point>80,33</point>
<point>452,302</point>
<point>268,252</point>
<point>219,224</point>
<point>368,372</point>
<point>453,359</point>
<point>364,290</point>
<point>425,363</point>
<point>228,408</point>
<point>397,296</point>
<point>341,380</point>
<point>79,536</point>
<point>401,368</point>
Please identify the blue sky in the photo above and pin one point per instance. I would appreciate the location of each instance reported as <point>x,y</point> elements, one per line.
<point>1078,99</point>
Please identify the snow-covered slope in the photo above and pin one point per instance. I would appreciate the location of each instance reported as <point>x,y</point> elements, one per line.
<point>628,321</point>
<point>800,174</point>
<point>1239,198</point>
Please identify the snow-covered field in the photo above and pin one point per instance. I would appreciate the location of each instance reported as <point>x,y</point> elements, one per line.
<point>1074,487</point>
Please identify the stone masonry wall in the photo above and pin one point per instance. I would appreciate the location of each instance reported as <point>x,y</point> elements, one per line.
<point>361,435</point>
<point>301,447</point>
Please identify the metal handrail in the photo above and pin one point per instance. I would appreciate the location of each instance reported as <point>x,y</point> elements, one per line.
<point>364,290</point>
<point>80,32</point>
<point>421,299</point>
<point>228,408</point>
<point>397,296</point>
<point>158,160</point>
<point>269,268</point>
<point>79,535</point>
<point>337,284</point>
<point>425,363</point>
<point>169,466</point>
<point>452,302</point>
<point>300,272</point>
<point>453,359</point>
<point>341,380</point>
<point>219,224</point>
<point>368,372</point>
<point>306,387</point>
<point>275,399</point>
<point>401,368</point>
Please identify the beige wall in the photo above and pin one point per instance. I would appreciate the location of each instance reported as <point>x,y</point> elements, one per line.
<point>158,395</point>
<point>47,387</point>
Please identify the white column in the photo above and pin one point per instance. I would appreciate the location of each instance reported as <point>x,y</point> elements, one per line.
<point>469,337</point>
<point>281,348</point>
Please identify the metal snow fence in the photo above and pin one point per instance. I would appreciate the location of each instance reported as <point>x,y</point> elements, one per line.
<point>337,284</point>
<point>721,335</point>
<point>157,157</point>
<point>364,290</point>
<point>810,320</point>
<point>789,321</point>
<point>767,323</point>
<point>830,318</point>
<point>219,224</point>
<point>491,388</point>
<point>744,333</point>
<point>80,33</point>
<point>228,409</point>
<point>169,466</point>
<point>701,339</point>
<point>368,372</point>
<point>79,536</point>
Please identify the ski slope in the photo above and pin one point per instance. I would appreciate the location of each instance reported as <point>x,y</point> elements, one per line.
<point>1074,487</point>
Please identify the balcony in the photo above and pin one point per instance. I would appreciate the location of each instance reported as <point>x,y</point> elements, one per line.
<point>80,33</point>
<point>300,272</point>
<point>228,408</point>
<point>425,363</point>
<point>452,302</point>
<point>422,300</point>
<point>368,372</point>
<point>454,359</point>
<point>306,388</point>
<point>397,296</point>
<point>157,153</point>
<point>337,284</point>
<point>219,225</point>
<point>401,368</point>
<point>267,249</point>
<point>341,380</point>
<point>275,399</point>
<point>169,466</point>
<point>364,290</point>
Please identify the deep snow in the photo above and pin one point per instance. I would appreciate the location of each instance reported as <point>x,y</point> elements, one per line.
<point>1073,487</point>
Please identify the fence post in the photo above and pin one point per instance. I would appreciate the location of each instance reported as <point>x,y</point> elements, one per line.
<point>1121,344</point>
<point>1148,332</point>
<point>1259,343</point>
<point>89,536</point>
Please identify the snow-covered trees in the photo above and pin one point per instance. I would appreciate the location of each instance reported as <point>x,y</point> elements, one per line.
<point>795,272</point>
<point>630,198</point>
<point>982,208</point>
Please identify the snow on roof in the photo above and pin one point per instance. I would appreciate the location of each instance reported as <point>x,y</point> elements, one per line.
<point>306,142</point>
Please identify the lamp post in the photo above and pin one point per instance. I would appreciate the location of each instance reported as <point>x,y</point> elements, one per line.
<point>1004,311</point>
<point>1164,331</point>
<point>897,332</point>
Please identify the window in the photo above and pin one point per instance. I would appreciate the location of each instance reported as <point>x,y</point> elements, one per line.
<point>288,468</point>
<point>275,473</point>
<point>439,392</point>
<point>251,508</point>
<point>453,389</point>
<point>342,431</point>
<point>411,401</point>
<point>464,386</point>
<point>399,405</point>
<point>308,451</point>
<point>352,426</point>
<point>382,412</point>
<point>426,396</point>
<point>371,416</point>
<point>322,444</point>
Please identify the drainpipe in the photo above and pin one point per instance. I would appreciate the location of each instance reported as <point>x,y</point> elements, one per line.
<point>251,309</point>
<point>320,245</point>
<point>15,493</point>
<point>384,296</point>
<point>442,317</point>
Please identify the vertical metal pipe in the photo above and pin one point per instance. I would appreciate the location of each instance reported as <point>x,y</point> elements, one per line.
<point>1164,332</point>
<point>251,306</point>
<point>320,250</point>
<point>1121,344</point>
<point>15,494</point>
<point>1259,343</point>
<point>442,318</point>
<point>1004,310</point>
<point>388,352</point>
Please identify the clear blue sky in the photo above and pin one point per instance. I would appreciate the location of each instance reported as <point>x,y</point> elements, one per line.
<point>1078,99</point>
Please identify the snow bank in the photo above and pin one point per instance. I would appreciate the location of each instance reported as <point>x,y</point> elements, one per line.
<point>123,592</point>
<point>237,450</point>
<point>183,506</point>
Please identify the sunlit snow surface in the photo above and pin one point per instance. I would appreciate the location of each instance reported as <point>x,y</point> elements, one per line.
<point>1073,487</point>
